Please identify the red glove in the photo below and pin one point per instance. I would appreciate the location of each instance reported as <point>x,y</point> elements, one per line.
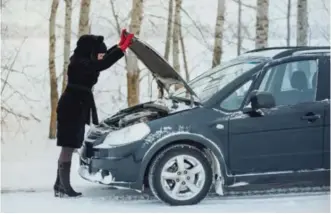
<point>127,42</point>
<point>123,37</point>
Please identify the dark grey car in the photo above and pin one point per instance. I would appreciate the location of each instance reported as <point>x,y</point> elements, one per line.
<point>262,118</point>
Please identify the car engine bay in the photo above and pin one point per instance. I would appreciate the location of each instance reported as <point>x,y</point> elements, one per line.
<point>140,113</point>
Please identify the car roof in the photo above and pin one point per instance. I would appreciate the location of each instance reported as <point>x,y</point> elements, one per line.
<point>280,52</point>
<point>267,54</point>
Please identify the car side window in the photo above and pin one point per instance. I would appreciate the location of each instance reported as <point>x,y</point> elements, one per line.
<point>292,83</point>
<point>236,98</point>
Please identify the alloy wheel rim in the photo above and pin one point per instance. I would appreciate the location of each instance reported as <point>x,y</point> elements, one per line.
<point>183,177</point>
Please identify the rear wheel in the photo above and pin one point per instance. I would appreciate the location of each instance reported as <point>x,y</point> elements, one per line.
<point>180,175</point>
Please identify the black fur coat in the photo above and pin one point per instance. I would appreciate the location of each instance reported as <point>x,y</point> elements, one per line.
<point>76,104</point>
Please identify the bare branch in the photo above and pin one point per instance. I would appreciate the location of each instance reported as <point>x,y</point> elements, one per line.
<point>245,5</point>
<point>196,26</point>
<point>12,64</point>
<point>118,27</point>
<point>10,111</point>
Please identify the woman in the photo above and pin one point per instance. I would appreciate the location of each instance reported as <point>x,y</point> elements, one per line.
<point>76,105</point>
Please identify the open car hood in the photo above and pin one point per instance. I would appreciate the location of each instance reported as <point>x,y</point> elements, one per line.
<point>163,72</point>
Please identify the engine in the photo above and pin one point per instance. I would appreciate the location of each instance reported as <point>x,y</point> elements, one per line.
<point>143,116</point>
<point>138,114</point>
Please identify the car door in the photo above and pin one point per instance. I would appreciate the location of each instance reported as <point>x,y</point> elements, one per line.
<point>325,96</point>
<point>289,136</point>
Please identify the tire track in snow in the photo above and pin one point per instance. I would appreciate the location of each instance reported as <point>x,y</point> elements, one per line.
<point>108,193</point>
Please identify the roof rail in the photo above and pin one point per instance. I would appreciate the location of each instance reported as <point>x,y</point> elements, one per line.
<point>288,47</point>
<point>291,51</point>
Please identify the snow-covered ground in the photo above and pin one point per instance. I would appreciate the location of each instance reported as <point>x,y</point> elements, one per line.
<point>102,201</point>
<point>27,187</point>
<point>29,160</point>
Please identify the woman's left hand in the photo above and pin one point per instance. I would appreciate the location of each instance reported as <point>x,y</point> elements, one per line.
<point>127,42</point>
<point>123,37</point>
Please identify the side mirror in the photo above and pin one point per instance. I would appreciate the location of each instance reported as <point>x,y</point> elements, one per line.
<point>258,100</point>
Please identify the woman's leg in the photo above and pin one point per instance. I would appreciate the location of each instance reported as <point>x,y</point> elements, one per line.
<point>66,154</point>
<point>64,166</point>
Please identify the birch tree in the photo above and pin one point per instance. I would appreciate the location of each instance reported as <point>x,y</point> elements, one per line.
<point>239,28</point>
<point>182,44</point>
<point>175,38</point>
<point>288,23</point>
<point>262,24</point>
<point>132,61</point>
<point>52,69</point>
<point>302,23</point>
<point>169,30</point>
<point>67,41</point>
<point>84,18</point>
<point>217,52</point>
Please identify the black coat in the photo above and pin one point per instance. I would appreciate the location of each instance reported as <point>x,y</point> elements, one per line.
<point>76,104</point>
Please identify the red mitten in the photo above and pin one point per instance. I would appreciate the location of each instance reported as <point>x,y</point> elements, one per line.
<point>127,42</point>
<point>123,37</point>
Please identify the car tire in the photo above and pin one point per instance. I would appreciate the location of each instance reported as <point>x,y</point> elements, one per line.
<point>166,189</point>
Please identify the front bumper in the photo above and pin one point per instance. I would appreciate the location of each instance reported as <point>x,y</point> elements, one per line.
<point>114,166</point>
<point>98,177</point>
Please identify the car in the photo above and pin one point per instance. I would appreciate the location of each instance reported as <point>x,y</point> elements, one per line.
<point>262,118</point>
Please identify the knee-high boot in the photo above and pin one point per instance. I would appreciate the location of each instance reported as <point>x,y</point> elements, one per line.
<point>65,189</point>
<point>57,184</point>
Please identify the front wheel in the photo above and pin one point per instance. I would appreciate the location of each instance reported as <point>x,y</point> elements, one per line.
<point>180,175</point>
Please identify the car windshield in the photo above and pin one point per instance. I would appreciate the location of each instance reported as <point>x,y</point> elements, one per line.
<point>215,79</point>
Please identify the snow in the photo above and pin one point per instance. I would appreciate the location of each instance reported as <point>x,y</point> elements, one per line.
<point>29,160</point>
<point>177,107</point>
<point>102,201</point>
<point>239,184</point>
<point>96,177</point>
<point>220,126</point>
<point>27,187</point>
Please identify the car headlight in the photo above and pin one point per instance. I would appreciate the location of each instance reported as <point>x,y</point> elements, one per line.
<point>125,136</point>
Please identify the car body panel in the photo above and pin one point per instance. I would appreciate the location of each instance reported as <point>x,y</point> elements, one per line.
<point>278,140</point>
<point>187,126</point>
<point>284,140</point>
<point>324,96</point>
<point>256,150</point>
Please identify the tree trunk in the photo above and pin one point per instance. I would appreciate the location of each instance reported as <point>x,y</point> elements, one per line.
<point>67,41</point>
<point>169,29</point>
<point>133,87</point>
<point>239,28</point>
<point>132,61</point>
<point>168,37</point>
<point>217,53</point>
<point>52,70</point>
<point>262,24</point>
<point>175,38</point>
<point>187,75</point>
<point>84,14</point>
<point>288,19</point>
<point>302,23</point>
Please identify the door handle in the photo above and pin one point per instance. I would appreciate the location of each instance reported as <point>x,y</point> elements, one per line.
<point>311,117</point>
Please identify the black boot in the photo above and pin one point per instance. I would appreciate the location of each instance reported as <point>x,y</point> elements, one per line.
<point>65,189</point>
<point>57,185</point>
